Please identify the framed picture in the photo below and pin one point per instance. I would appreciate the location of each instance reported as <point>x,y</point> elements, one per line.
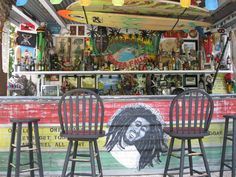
<point>63,46</point>
<point>189,45</point>
<point>88,82</point>
<point>49,90</point>
<point>69,83</point>
<point>108,84</point>
<point>77,30</point>
<point>190,80</point>
<point>52,77</point>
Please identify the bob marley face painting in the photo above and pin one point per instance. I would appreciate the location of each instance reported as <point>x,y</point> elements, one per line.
<point>135,136</point>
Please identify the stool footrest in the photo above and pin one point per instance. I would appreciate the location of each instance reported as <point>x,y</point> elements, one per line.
<point>229,138</point>
<point>83,174</point>
<point>23,145</point>
<point>195,154</point>
<point>225,164</point>
<point>29,169</point>
<point>79,160</point>
<point>199,172</point>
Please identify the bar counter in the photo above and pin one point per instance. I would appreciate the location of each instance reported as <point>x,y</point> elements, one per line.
<point>54,147</point>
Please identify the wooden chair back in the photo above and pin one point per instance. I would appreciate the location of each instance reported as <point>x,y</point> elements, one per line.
<point>192,108</point>
<point>81,111</point>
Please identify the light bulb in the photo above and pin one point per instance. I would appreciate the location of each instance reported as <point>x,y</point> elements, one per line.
<point>118,2</point>
<point>211,4</point>
<point>185,3</point>
<point>85,2</point>
<point>55,1</point>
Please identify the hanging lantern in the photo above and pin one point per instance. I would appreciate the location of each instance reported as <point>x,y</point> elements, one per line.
<point>211,4</point>
<point>118,2</point>
<point>185,3</point>
<point>21,2</point>
<point>85,2</point>
<point>55,1</point>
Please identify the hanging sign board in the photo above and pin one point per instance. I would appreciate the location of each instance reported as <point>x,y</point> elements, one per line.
<point>26,39</point>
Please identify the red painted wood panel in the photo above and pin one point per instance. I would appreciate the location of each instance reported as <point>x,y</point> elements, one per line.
<point>47,111</point>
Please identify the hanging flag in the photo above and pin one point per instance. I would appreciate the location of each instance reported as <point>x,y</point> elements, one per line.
<point>21,2</point>
<point>26,39</point>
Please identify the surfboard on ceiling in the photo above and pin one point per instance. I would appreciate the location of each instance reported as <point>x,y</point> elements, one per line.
<point>145,15</point>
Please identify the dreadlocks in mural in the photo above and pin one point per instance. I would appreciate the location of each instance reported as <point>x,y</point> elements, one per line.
<point>135,137</point>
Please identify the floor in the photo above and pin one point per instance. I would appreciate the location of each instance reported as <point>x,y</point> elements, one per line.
<point>215,174</point>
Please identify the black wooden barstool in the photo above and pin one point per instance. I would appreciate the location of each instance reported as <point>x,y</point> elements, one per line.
<point>81,115</point>
<point>17,128</point>
<point>190,117</point>
<point>231,137</point>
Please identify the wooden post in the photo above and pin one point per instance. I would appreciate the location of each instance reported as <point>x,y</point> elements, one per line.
<point>3,76</point>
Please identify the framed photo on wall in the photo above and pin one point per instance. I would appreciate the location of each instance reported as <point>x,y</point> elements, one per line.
<point>69,83</point>
<point>88,82</point>
<point>190,80</point>
<point>189,45</point>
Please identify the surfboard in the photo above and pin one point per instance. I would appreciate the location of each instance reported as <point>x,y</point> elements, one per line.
<point>144,15</point>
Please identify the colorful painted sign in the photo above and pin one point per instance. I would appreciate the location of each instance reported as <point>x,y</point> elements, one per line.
<point>127,51</point>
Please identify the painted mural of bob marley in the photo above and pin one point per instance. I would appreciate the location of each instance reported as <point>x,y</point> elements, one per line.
<point>135,136</point>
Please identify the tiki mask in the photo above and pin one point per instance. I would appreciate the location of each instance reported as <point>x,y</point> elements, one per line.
<point>208,46</point>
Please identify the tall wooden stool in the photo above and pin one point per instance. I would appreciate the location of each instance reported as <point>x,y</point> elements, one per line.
<point>33,165</point>
<point>231,137</point>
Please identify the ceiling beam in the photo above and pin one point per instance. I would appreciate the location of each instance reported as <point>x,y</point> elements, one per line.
<point>49,7</point>
<point>22,14</point>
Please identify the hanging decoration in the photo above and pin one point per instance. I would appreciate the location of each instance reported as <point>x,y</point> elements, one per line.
<point>185,3</point>
<point>118,2</point>
<point>21,2</point>
<point>85,2</point>
<point>55,1</point>
<point>211,4</point>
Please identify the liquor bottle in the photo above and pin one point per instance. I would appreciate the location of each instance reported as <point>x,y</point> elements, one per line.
<point>201,83</point>
<point>228,63</point>
<point>32,66</point>
<point>40,66</point>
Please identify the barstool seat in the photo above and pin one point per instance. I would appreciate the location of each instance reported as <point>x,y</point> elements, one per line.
<point>17,145</point>
<point>230,137</point>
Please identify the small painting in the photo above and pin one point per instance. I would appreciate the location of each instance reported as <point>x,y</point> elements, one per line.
<point>88,82</point>
<point>52,77</point>
<point>109,84</point>
<point>81,30</point>
<point>189,46</point>
<point>49,90</point>
<point>69,83</point>
<point>190,80</point>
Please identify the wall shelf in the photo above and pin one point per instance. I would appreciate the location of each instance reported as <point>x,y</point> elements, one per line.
<point>120,72</point>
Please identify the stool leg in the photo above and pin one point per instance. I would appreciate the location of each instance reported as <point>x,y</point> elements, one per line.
<point>224,147</point>
<point>233,148</point>
<point>190,157</point>
<point>31,155</point>
<point>67,158</point>
<point>13,134</point>
<point>204,157</point>
<point>74,156</point>
<point>169,156</point>
<point>92,160</point>
<point>18,149</point>
<point>98,158</point>
<point>181,172</point>
<point>37,143</point>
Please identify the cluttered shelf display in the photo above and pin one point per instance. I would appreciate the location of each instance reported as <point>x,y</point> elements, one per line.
<point>133,51</point>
